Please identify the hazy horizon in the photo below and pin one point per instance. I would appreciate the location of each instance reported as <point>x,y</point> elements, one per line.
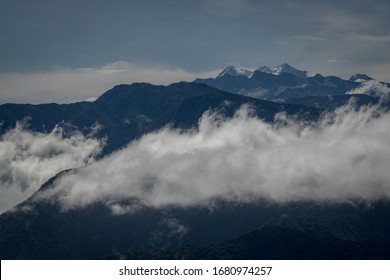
<point>68,51</point>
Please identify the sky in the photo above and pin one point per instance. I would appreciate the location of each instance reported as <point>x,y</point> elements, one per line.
<point>68,51</point>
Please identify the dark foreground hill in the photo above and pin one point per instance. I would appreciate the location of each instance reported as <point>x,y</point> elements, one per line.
<point>41,229</point>
<point>363,235</point>
<point>262,230</point>
<point>126,112</point>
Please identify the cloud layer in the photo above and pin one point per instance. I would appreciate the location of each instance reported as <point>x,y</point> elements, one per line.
<point>29,159</point>
<point>344,156</point>
<point>372,87</point>
<point>72,85</point>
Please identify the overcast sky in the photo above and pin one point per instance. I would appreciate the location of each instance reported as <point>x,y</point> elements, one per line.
<point>70,50</point>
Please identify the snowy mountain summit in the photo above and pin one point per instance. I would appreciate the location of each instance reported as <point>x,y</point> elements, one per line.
<point>286,68</point>
<point>286,82</point>
<point>264,69</point>
<point>283,68</point>
<point>235,71</point>
<point>358,78</point>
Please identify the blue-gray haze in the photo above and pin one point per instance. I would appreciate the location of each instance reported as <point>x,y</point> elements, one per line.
<point>66,51</point>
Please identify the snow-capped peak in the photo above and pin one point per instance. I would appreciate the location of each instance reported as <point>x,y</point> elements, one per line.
<point>283,68</point>
<point>286,68</point>
<point>235,71</point>
<point>360,78</point>
<point>264,69</point>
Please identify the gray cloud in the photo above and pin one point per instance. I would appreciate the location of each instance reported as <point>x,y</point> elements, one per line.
<point>29,159</point>
<point>343,157</point>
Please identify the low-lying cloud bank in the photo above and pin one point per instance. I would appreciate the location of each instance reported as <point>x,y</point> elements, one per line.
<point>29,159</point>
<point>345,156</point>
<point>73,85</point>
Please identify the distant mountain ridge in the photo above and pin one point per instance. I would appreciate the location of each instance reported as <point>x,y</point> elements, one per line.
<point>283,68</point>
<point>286,82</point>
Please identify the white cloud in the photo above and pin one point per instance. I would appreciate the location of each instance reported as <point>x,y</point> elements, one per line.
<point>344,156</point>
<point>372,87</point>
<point>72,85</point>
<point>29,159</point>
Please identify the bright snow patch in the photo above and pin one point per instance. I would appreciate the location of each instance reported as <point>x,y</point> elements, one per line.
<point>235,71</point>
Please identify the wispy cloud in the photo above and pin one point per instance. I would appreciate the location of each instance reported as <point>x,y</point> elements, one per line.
<point>29,159</point>
<point>372,87</point>
<point>343,157</point>
<point>334,60</point>
<point>311,38</point>
<point>372,38</point>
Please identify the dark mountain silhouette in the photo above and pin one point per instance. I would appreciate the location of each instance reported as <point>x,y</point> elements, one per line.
<point>40,229</point>
<point>263,230</point>
<point>126,112</point>
<point>362,235</point>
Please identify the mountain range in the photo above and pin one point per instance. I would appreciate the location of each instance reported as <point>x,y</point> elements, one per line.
<point>286,82</point>
<point>41,229</point>
<point>126,112</point>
